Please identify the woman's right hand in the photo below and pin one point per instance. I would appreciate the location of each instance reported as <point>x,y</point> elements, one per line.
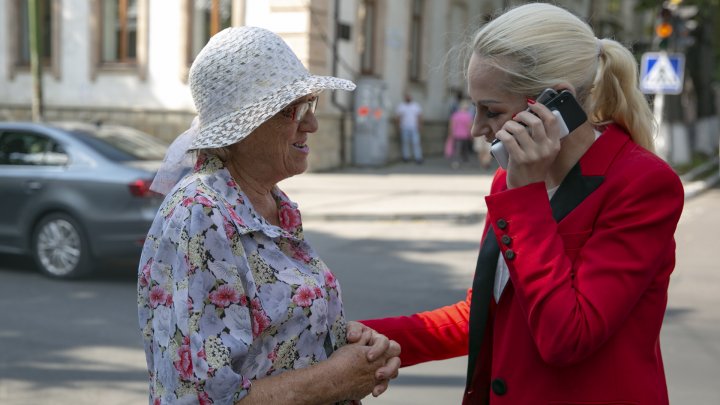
<point>352,370</point>
<point>379,345</point>
<point>533,142</point>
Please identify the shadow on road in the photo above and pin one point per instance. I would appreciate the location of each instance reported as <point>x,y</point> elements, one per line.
<point>68,334</point>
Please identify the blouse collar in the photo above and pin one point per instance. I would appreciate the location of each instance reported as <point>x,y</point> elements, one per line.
<point>216,179</point>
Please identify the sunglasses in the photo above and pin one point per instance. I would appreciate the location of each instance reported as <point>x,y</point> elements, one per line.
<point>297,112</point>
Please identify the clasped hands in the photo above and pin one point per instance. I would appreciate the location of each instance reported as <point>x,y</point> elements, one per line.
<point>380,347</point>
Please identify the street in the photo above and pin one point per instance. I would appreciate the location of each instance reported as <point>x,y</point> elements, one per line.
<point>78,342</point>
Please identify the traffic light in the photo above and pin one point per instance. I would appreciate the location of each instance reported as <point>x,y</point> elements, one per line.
<point>664,28</point>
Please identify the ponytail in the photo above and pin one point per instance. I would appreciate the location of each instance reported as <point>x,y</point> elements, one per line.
<point>616,97</point>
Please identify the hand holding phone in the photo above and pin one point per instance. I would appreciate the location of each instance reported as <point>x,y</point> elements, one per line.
<point>564,106</point>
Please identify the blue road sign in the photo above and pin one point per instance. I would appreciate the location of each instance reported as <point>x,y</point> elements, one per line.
<point>662,73</point>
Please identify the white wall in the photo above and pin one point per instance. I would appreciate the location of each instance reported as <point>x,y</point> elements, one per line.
<point>165,82</point>
<point>161,90</point>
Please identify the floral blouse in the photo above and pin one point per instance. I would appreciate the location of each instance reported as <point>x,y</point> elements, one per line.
<point>224,297</point>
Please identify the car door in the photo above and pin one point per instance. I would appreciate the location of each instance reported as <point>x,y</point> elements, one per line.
<point>27,160</point>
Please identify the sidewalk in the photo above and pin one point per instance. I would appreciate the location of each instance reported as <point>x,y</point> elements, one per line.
<point>400,191</point>
<point>406,191</point>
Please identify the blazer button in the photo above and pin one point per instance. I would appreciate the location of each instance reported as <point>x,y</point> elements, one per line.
<point>498,386</point>
<point>509,254</point>
<point>501,223</point>
<point>506,239</point>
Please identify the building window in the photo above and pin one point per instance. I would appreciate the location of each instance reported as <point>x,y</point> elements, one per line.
<point>119,32</point>
<point>207,18</point>
<point>46,30</point>
<point>19,44</point>
<point>368,46</point>
<point>416,30</point>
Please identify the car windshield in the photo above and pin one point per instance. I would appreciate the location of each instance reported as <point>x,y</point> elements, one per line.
<point>121,144</point>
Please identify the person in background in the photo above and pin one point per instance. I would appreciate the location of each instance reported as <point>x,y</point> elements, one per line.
<point>408,115</point>
<point>571,282</point>
<point>459,135</point>
<point>234,305</point>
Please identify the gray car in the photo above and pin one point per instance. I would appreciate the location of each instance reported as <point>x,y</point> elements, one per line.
<point>74,193</point>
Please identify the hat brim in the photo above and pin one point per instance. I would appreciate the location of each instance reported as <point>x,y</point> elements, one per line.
<point>237,125</point>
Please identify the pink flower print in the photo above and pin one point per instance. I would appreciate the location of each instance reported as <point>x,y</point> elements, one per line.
<point>145,276</point>
<point>229,228</point>
<point>272,355</point>
<point>157,296</point>
<point>244,300</point>
<point>300,254</point>
<point>201,354</point>
<point>246,383</point>
<point>330,279</point>
<point>186,201</point>
<point>318,292</point>
<point>261,322</point>
<point>204,398</point>
<point>304,296</point>
<point>199,162</point>
<point>224,295</point>
<point>204,201</point>
<point>184,364</point>
<point>255,304</point>
<point>235,217</point>
<point>156,401</point>
<point>289,217</point>
<point>168,300</point>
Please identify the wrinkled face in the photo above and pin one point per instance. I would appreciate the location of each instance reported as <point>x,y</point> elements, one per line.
<point>278,148</point>
<point>494,105</point>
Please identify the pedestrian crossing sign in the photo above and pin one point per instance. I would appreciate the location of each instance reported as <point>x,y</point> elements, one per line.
<point>662,73</point>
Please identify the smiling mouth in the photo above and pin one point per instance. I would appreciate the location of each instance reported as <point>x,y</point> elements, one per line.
<point>300,145</point>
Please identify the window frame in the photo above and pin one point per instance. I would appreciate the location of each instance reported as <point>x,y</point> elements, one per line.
<point>139,64</point>
<point>415,41</point>
<point>368,54</point>
<point>14,63</point>
<point>237,10</point>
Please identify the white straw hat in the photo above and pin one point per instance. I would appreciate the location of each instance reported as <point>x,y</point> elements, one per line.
<point>244,76</point>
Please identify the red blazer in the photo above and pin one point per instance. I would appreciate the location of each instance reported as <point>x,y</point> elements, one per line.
<point>579,321</point>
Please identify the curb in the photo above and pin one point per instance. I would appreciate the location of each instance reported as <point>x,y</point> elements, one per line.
<point>469,218</point>
<point>695,188</point>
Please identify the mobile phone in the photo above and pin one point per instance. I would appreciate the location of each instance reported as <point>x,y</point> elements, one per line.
<point>566,109</point>
<point>569,110</point>
<point>497,149</point>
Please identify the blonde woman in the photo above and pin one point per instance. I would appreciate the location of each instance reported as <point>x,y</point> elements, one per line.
<point>571,282</point>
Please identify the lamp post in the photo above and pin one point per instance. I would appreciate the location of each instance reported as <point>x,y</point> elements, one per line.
<point>35,60</point>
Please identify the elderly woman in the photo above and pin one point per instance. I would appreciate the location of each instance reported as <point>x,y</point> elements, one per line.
<point>234,305</point>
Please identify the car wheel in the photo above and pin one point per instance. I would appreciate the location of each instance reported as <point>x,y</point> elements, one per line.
<point>60,248</point>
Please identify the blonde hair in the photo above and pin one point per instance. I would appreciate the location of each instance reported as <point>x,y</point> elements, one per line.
<point>539,45</point>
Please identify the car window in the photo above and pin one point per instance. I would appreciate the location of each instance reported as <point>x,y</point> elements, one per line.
<point>28,148</point>
<point>121,144</point>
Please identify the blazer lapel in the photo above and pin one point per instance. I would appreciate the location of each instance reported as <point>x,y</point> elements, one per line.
<point>481,296</point>
<point>572,191</point>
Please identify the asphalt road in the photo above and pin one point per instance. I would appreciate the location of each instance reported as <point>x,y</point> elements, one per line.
<point>77,342</point>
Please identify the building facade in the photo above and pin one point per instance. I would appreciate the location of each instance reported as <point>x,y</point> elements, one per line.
<point>127,61</point>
